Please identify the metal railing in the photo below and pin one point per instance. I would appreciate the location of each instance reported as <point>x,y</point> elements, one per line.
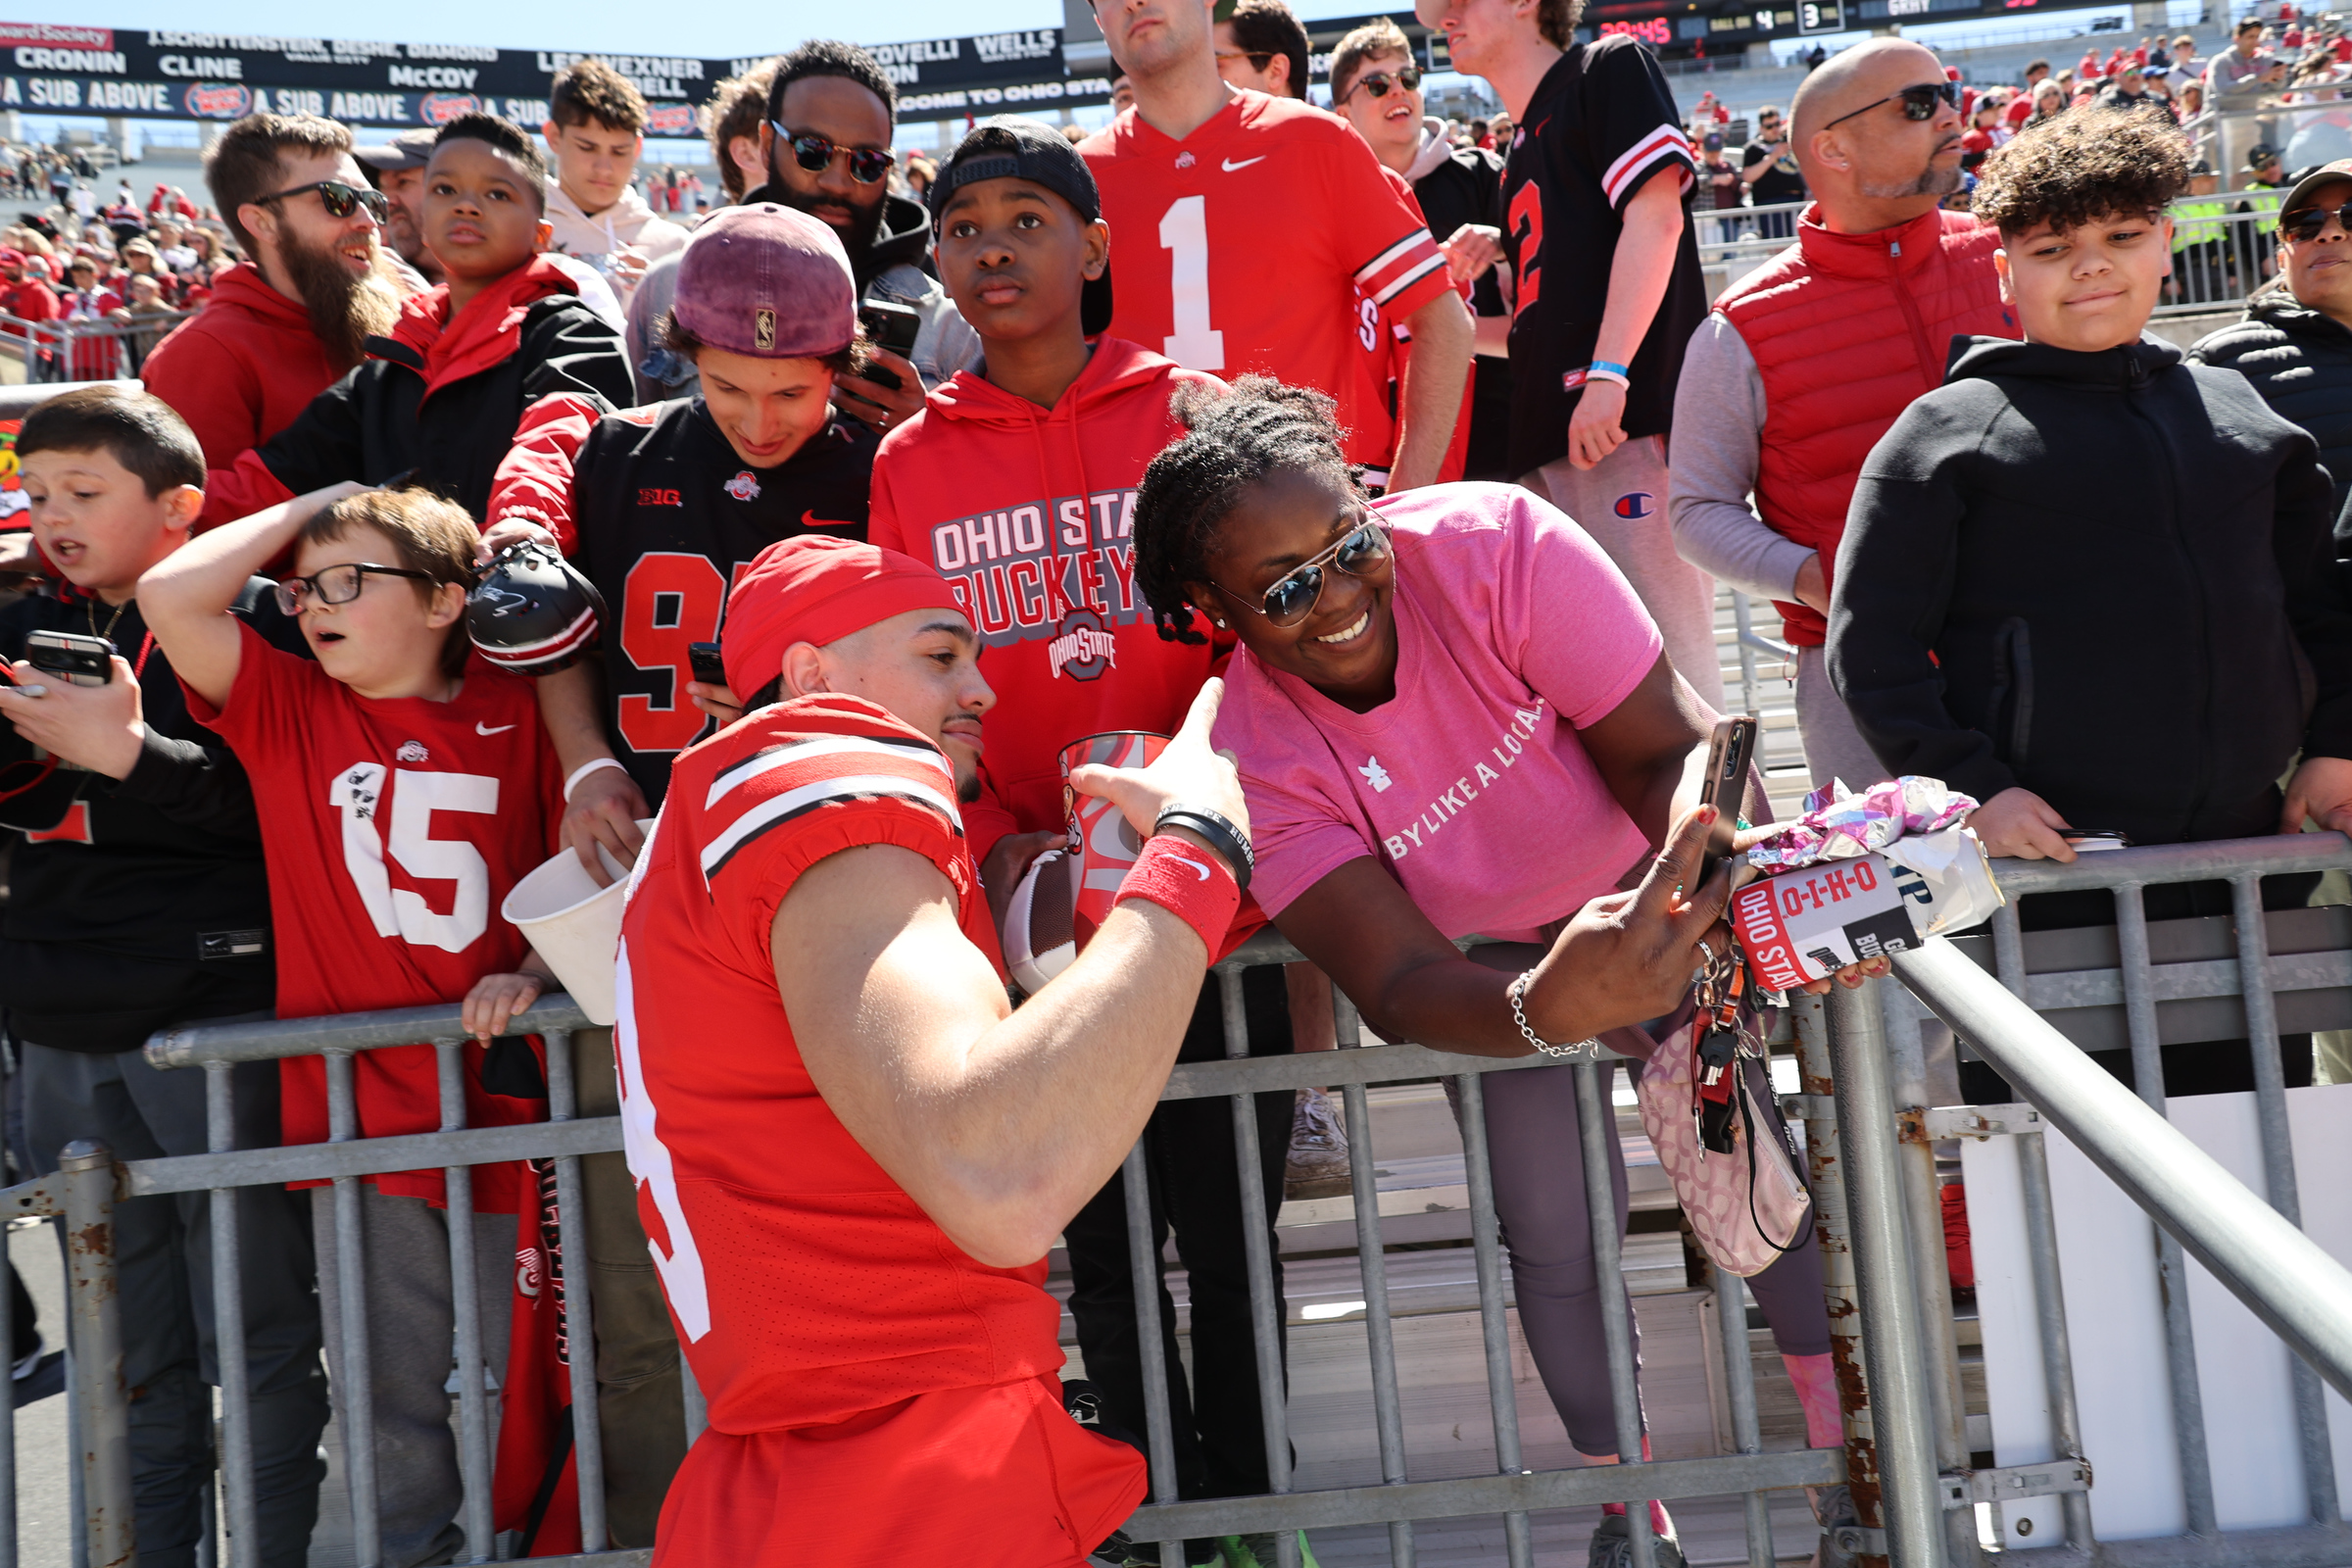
<point>83,350</point>
<point>1870,1129</point>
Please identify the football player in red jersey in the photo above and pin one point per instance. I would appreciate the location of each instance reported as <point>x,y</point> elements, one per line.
<point>404,786</point>
<point>850,1209</point>
<point>1261,234</point>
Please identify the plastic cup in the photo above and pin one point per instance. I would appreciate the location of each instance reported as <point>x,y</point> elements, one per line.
<point>575,925</point>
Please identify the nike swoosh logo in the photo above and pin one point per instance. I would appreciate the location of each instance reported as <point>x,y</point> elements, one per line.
<point>1231,165</point>
<point>809,520</point>
<point>1194,864</point>
<point>481,728</point>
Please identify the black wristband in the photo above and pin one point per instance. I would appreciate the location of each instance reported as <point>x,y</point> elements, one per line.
<point>1222,836</point>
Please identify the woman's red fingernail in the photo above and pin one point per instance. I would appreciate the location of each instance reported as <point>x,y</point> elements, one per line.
<point>1706,814</point>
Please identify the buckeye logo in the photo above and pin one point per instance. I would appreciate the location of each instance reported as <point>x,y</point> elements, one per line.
<point>744,486</point>
<point>412,752</point>
<point>1637,503</point>
<point>764,327</point>
<point>1083,647</point>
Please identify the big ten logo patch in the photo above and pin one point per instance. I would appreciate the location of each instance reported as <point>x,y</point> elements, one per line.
<point>1083,647</point>
<point>657,496</point>
<point>1033,571</point>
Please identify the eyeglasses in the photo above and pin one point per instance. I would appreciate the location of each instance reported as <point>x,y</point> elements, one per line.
<point>2310,223</point>
<point>1378,84</point>
<point>340,199</point>
<point>337,585</point>
<point>1919,103</point>
<point>815,154</point>
<point>1257,58</point>
<point>1295,593</point>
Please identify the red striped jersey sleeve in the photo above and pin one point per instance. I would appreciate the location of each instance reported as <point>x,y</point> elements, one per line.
<point>1407,269</point>
<point>1636,128</point>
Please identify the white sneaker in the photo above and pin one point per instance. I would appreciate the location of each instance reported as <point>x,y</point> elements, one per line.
<point>1318,1160</point>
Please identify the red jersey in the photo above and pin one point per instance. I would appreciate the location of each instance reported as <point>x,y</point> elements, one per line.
<point>1281,242</point>
<point>1029,514</point>
<point>393,831</point>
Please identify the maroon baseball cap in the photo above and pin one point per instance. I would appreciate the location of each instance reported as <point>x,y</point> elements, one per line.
<point>768,281</point>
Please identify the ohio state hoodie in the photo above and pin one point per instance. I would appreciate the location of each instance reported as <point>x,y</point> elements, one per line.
<point>1029,514</point>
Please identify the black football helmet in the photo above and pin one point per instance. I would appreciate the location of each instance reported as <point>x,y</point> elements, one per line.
<point>530,611</point>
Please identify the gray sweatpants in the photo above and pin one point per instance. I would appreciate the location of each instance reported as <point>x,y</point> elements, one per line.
<point>1621,502</point>
<point>163,1271</point>
<point>412,1328</point>
<point>1834,747</point>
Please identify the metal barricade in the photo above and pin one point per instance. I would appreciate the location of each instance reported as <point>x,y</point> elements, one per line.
<point>60,351</point>
<point>1869,1125</point>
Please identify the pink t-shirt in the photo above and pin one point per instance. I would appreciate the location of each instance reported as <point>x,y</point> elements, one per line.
<point>1513,631</point>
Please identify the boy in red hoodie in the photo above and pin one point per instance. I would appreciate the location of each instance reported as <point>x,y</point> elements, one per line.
<point>440,398</point>
<point>1017,483</point>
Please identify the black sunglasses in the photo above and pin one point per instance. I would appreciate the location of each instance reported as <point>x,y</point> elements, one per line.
<point>340,199</point>
<point>1295,593</point>
<point>338,584</point>
<point>1919,103</point>
<point>2309,222</point>
<point>1257,58</point>
<point>815,154</point>
<point>1378,82</point>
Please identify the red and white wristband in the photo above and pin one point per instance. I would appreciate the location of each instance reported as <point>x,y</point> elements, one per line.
<point>1188,883</point>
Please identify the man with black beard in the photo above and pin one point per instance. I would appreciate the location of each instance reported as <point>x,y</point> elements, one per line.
<point>286,325</point>
<point>826,143</point>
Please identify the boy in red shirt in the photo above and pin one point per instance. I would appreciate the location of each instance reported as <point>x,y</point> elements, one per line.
<point>404,786</point>
<point>1017,483</point>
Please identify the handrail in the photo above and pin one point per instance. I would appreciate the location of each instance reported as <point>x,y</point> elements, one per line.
<point>2281,1275</point>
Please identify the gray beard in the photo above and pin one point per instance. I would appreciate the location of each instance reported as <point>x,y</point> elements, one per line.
<point>1930,182</point>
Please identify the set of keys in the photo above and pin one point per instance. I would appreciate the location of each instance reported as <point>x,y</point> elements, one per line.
<point>1723,995</point>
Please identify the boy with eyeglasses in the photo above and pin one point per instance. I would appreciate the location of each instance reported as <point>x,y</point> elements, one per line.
<point>831,111</point>
<point>440,396</point>
<point>404,786</point>
<point>137,901</point>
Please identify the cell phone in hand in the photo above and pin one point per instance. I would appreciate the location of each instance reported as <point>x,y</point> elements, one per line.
<point>1724,786</point>
<point>71,657</point>
<point>709,669</point>
<point>893,327</point>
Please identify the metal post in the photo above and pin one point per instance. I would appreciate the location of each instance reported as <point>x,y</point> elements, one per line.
<point>579,1322</point>
<point>698,1410</point>
<point>1485,1246</point>
<point>1159,1429</point>
<point>2057,1349</point>
<point>95,1322</point>
<point>2279,1174</point>
<point>466,1306</point>
<point>1740,1386</point>
<point>1900,1404</point>
<point>1596,1133</point>
<point>1741,617</point>
<point>2172,1272</point>
<point>1266,1309</point>
<point>229,1327</point>
<point>356,1403</point>
<point>1379,1332</point>
<point>1832,1228</point>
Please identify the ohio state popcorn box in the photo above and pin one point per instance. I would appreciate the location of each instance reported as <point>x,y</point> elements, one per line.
<point>1804,924</point>
<point>1102,842</point>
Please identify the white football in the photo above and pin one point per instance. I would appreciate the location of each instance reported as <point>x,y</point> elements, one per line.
<point>1040,932</point>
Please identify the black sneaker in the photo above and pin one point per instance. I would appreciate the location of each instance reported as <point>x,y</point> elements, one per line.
<point>1120,1552</point>
<point>1613,1545</point>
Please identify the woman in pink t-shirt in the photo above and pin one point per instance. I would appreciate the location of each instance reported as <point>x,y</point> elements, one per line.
<point>1452,717</point>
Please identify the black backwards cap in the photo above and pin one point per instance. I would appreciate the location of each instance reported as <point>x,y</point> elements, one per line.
<point>1010,147</point>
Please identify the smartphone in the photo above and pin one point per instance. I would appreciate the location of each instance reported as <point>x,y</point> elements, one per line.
<point>2086,840</point>
<point>70,656</point>
<point>1725,786</point>
<point>709,669</point>
<point>890,326</point>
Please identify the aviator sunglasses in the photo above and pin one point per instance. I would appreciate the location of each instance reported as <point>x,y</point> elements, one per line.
<point>1919,103</point>
<point>815,153</point>
<point>1295,593</point>
<point>2308,223</point>
<point>1378,82</point>
<point>339,199</point>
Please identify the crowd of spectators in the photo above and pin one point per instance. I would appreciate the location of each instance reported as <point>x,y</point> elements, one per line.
<point>1439,475</point>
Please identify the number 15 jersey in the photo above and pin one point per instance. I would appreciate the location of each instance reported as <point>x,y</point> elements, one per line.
<point>1270,240</point>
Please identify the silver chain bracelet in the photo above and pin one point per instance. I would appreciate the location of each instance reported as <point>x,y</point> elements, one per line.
<point>1518,995</point>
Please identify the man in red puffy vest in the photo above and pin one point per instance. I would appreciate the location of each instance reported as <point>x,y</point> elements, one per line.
<point>1804,363</point>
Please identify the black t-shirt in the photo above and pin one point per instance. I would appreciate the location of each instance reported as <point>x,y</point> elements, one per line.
<point>1779,184</point>
<point>667,518</point>
<point>1601,122</point>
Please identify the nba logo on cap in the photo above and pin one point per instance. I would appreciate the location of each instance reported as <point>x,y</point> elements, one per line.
<point>1636,504</point>
<point>764,327</point>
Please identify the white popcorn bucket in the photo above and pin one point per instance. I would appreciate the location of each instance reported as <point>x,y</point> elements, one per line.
<point>575,925</point>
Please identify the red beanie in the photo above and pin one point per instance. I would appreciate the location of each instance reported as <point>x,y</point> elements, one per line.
<point>819,588</point>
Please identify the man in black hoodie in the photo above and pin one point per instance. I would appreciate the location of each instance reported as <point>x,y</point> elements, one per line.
<point>137,901</point>
<point>830,115</point>
<point>2147,659</point>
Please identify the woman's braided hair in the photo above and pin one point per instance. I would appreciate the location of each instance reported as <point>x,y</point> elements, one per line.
<point>1236,436</point>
